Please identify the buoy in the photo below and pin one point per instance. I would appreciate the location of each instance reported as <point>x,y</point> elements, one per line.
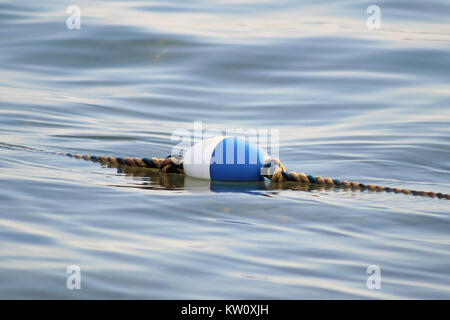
<point>232,159</point>
<point>224,159</point>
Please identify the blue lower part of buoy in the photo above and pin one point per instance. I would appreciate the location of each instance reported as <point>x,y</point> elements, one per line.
<point>235,159</point>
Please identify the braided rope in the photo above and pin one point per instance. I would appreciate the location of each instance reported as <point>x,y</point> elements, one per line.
<point>174,165</point>
<point>280,174</point>
<point>165,165</point>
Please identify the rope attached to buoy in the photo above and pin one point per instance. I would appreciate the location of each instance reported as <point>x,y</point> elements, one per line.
<point>279,174</point>
<point>165,165</point>
<point>276,172</point>
<point>272,169</point>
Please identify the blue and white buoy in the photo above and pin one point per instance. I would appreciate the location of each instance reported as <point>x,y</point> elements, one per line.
<point>224,158</point>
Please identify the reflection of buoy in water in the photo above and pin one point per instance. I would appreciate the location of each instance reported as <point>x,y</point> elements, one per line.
<point>224,158</point>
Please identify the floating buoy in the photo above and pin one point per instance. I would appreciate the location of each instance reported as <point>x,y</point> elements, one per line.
<point>233,159</point>
<point>225,159</point>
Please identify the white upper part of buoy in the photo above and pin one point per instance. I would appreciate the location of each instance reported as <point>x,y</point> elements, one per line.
<point>224,158</point>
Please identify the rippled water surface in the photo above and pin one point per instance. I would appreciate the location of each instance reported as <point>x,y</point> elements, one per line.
<point>349,102</point>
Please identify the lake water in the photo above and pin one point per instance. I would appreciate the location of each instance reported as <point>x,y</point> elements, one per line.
<point>349,103</point>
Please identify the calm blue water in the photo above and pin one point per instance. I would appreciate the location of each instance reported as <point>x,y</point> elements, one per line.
<point>349,102</point>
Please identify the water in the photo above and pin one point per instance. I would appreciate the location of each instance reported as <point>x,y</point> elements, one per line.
<point>349,102</point>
